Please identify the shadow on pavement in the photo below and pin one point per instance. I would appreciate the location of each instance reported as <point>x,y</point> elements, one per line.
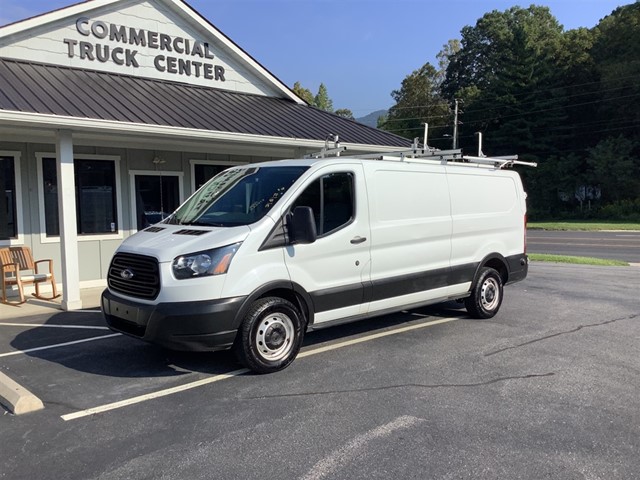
<point>125,357</point>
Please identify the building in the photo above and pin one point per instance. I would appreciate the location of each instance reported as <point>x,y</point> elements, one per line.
<point>114,111</point>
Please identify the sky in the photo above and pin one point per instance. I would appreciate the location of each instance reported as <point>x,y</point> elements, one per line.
<point>360,49</point>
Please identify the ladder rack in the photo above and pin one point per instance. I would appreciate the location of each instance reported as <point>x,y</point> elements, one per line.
<point>427,154</point>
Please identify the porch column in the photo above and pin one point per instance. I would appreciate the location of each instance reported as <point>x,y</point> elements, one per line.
<point>68,228</point>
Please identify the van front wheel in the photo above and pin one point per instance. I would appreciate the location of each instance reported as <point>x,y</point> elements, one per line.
<point>270,335</point>
<point>486,296</point>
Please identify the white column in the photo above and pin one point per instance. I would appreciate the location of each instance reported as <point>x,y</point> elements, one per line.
<point>68,228</point>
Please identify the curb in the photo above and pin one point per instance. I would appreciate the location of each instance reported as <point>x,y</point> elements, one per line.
<point>18,399</point>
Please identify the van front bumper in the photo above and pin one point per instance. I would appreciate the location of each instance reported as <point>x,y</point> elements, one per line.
<point>195,326</point>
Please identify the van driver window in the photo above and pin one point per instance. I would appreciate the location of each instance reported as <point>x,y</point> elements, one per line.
<point>331,199</point>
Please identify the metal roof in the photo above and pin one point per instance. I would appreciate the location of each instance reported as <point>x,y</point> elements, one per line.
<point>70,92</point>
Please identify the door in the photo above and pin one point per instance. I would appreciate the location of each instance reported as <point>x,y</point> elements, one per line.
<point>155,198</point>
<point>335,268</point>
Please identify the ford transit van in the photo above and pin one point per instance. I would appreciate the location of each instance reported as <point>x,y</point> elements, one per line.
<point>264,252</point>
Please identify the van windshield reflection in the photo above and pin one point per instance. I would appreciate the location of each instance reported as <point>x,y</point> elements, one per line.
<point>237,196</point>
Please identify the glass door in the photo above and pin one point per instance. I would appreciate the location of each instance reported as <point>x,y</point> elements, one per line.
<point>156,197</point>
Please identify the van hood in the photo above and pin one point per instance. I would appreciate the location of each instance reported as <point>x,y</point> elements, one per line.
<point>166,242</point>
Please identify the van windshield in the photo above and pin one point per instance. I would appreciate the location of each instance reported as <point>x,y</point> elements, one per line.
<point>237,196</point>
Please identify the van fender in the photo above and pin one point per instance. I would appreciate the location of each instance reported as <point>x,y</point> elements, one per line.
<point>278,288</point>
<point>497,262</point>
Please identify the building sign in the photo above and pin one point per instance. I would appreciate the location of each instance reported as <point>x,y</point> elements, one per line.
<point>108,42</point>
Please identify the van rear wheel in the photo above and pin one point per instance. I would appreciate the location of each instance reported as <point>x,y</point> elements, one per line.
<point>486,296</point>
<point>270,336</point>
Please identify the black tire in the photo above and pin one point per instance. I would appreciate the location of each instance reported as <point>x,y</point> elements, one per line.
<point>270,336</point>
<point>486,296</point>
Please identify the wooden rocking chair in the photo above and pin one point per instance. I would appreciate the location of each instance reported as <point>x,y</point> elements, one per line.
<point>16,260</point>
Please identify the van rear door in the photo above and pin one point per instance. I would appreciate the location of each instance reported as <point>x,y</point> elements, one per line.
<point>334,268</point>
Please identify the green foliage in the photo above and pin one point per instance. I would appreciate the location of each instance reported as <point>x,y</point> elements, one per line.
<point>569,100</point>
<point>503,72</point>
<point>628,210</point>
<point>615,168</point>
<point>345,113</point>
<point>602,262</point>
<point>448,50</point>
<point>303,93</point>
<point>322,100</point>
<point>418,101</point>
<point>616,55</point>
<point>585,226</point>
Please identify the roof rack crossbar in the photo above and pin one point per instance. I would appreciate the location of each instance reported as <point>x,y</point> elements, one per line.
<point>417,154</point>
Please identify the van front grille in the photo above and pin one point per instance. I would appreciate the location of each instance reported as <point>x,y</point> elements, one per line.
<point>134,276</point>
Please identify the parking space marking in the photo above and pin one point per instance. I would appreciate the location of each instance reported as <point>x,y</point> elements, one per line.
<point>57,345</point>
<point>345,454</point>
<point>87,327</point>
<point>235,373</point>
<point>151,396</point>
<point>375,336</point>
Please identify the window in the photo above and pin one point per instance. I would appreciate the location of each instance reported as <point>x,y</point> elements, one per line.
<point>239,196</point>
<point>96,208</point>
<point>203,172</point>
<point>331,198</point>
<point>155,195</point>
<point>8,199</point>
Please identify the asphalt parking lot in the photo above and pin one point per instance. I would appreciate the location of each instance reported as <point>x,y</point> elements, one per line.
<point>546,389</point>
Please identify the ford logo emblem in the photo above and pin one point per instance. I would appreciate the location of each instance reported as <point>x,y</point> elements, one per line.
<point>126,274</point>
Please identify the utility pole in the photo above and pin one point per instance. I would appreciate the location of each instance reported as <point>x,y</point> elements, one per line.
<point>455,126</point>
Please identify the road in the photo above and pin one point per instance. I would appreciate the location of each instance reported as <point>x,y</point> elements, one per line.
<point>623,246</point>
<point>546,389</point>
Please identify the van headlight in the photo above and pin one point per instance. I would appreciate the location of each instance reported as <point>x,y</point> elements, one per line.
<point>202,264</point>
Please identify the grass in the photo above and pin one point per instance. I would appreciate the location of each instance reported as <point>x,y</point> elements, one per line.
<point>543,257</point>
<point>584,226</point>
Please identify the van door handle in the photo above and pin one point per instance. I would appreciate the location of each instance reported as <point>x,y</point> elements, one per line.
<point>357,240</point>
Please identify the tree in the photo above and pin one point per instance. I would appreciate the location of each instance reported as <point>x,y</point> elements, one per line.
<point>615,167</point>
<point>418,102</point>
<point>505,71</point>
<point>345,113</point>
<point>303,93</point>
<point>449,49</point>
<point>616,55</point>
<point>578,79</point>
<point>322,100</point>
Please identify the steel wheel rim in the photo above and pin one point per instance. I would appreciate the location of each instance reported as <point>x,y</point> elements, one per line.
<point>490,294</point>
<point>274,337</point>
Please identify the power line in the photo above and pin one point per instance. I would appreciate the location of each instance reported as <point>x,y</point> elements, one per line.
<point>558,99</point>
<point>523,114</point>
<point>560,87</point>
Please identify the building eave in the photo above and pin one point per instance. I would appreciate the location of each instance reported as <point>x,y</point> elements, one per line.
<point>53,123</point>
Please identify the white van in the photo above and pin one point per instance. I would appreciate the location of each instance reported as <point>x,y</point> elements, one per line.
<point>264,252</point>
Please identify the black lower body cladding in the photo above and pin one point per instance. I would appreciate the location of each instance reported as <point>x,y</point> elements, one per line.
<point>195,326</point>
<point>518,267</point>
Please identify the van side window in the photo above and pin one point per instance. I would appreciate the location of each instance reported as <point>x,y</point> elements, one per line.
<point>331,198</point>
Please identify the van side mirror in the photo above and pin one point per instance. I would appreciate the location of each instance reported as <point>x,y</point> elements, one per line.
<point>301,225</point>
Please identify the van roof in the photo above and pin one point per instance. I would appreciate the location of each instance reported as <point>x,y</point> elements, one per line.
<point>310,162</point>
